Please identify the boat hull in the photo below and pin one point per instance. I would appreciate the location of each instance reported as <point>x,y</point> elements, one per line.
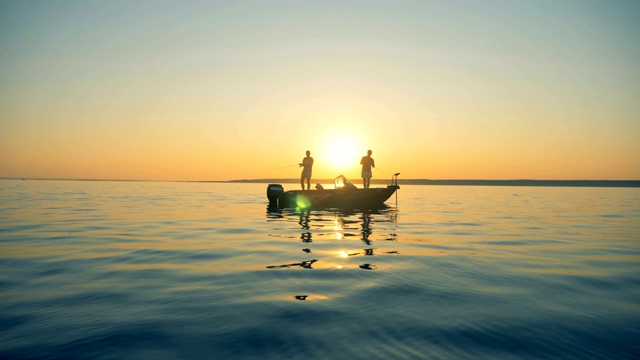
<point>337,198</point>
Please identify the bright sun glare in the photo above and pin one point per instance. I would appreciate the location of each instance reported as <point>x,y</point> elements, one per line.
<point>341,152</point>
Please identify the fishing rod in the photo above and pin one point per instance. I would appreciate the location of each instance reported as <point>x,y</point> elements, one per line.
<point>382,172</point>
<point>284,167</point>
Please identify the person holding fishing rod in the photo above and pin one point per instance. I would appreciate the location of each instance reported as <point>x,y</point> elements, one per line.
<point>306,164</point>
<point>367,163</point>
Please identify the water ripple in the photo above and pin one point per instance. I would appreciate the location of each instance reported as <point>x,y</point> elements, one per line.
<point>107,270</point>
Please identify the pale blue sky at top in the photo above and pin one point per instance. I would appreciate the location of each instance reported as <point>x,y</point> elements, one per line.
<point>232,89</point>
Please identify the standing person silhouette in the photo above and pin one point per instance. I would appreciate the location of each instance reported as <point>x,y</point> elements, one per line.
<point>307,164</point>
<point>367,163</point>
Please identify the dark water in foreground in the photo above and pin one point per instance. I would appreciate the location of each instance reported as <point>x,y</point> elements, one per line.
<point>111,270</point>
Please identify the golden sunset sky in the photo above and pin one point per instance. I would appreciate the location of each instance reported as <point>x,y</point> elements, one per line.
<point>219,90</point>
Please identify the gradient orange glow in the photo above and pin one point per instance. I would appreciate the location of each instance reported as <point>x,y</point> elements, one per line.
<point>220,91</point>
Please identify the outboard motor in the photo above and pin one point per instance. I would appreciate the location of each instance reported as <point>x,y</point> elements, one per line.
<point>273,193</point>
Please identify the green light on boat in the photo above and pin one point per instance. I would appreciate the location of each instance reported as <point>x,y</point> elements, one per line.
<point>302,202</point>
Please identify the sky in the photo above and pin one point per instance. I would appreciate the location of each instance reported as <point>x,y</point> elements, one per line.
<point>221,90</point>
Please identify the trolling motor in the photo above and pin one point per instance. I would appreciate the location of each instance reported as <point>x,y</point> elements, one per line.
<point>394,184</point>
<point>394,181</point>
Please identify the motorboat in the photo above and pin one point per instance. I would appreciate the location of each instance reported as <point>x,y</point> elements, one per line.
<point>343,195</point>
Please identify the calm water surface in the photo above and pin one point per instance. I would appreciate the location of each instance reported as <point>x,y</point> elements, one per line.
<point>139,270</point>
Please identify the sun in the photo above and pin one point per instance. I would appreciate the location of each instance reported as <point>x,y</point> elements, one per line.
<point>341,152</point>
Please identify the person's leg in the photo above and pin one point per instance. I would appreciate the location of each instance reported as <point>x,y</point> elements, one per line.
<point>302,182</point>
<point>308,183</point>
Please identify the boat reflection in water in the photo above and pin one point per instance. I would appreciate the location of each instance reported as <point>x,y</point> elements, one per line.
<point>333,239</point>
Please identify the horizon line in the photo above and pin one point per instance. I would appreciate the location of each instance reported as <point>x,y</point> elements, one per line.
<point>415,181</point>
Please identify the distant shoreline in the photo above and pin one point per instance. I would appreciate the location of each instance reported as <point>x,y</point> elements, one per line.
<point>432,182</point>
<point>454,182</point>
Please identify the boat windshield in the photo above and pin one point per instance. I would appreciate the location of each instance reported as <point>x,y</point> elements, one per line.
<point>342,182</point>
